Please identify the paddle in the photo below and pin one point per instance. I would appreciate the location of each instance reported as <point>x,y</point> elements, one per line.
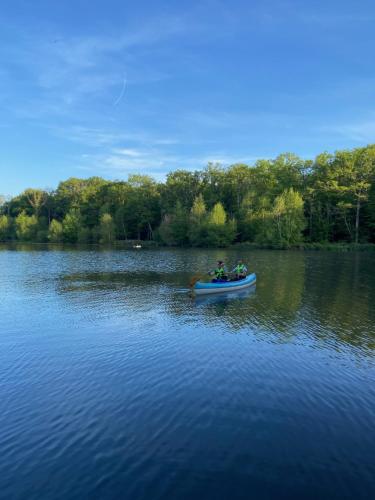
<point>194,280</point>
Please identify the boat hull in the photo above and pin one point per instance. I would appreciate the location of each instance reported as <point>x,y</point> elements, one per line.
<point>205,288</point>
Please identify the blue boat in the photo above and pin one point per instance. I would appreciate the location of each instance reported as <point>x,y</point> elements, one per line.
<point>201,288</point>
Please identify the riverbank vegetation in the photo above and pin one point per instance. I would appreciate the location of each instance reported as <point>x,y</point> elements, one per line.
<point>284,202</point>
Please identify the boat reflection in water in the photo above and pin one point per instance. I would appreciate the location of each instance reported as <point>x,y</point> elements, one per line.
<point>224,297</point>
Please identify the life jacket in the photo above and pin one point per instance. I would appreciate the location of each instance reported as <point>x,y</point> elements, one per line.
<point>219,272</point>
<point>240,269</point>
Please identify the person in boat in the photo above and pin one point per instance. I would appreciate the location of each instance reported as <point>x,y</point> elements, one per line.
<point>240,270</point>
<point>220,273</point>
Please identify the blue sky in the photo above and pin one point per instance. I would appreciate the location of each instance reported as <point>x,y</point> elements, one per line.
<point>118,87</point>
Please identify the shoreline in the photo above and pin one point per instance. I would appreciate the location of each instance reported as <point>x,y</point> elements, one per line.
<point>130,245</point>
<point>330,247</point>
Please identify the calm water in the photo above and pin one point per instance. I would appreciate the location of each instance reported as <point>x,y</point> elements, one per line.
<point>114,383</point>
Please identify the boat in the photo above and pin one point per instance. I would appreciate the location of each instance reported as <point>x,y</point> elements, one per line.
<point>201,288</point>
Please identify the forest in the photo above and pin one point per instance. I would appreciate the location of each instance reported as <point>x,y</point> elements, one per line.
<point>284,202</point>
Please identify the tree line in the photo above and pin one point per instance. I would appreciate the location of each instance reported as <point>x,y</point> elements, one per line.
<point>280,202</point>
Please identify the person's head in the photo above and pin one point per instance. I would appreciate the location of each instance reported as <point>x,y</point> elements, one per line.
<point>240,261</point>
<point>220,262</point>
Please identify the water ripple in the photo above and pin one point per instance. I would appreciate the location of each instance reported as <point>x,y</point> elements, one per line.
<point>115,383</point>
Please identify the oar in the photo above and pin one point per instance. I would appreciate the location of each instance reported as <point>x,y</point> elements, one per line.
<point>194,280</point>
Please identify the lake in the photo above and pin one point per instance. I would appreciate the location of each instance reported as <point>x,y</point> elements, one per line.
<point>115,383</point>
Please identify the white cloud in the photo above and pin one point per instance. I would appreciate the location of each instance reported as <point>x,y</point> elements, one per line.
<point>67,75</point>
<point>54,59</point>
<point>133,153</point>
<point>154,162</point>
<point>229,119</point>
<point>99,137</point>
<point>363,132</point>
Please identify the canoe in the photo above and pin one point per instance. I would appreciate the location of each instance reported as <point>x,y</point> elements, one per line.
<point>201,288</point>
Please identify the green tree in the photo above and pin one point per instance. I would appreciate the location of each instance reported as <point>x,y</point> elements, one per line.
<point>320,203</point>
<point>289,172</point>
<point>85,234</point>
<point>42,231</point>
<point>371,212</point>
<point>174,227</point>
<point>289,217</point>
<point>238,183</point>
<point>55,231</point>
<point>220,232</point>
<point>164,233</point>
<point>360,178</point>
<point>345,180</point>
<point>36,198</point>
<point>71,225</point>
<point>330,198</point>
<point>26,227</point>
<point>253,216</point>
<point>180,225</point>
<point>181,186</point>
<point>116,196</point>
<point>213,184</point>
<point>5,227</point>
<point>107,228</point>
<point>68,194</point>
<point>282,225</point>
<point>198,210</point>
<point>197,222</point>
<point>142,206</point>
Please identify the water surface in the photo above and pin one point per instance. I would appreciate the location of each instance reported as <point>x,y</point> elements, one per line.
<point>115,383</point>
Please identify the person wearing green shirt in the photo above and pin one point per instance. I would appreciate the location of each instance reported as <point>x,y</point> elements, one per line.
<point>220,273</point>
<point>240,270</point>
